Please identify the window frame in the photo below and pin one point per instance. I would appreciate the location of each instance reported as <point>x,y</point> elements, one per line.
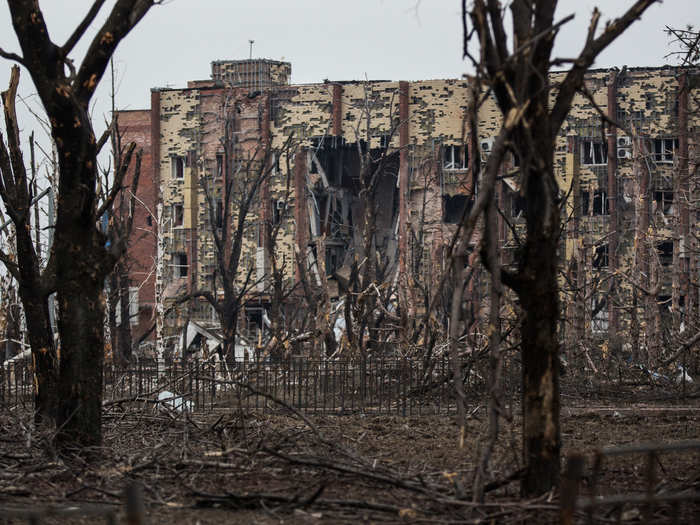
<point>600,322</point>
<point>181,270</point>
<point>219,174</point>
<point>591,145</point>
<point>178,215</point>
<point>177,167</point>
<point>457,157</point>
<point>663,203</point>
<point>661,152</point>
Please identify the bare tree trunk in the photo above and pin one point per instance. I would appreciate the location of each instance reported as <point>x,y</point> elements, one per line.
<point>519,83</point>
<point>79,254</point>
<point>683,197</point>
<point>40,335</point>
<point>459,271</point>
<point>539,297</point>
<point>495,399</point>
<point>613,222</point>
<point>34,285</point>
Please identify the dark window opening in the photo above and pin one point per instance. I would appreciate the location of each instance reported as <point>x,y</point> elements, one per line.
<point>181,264</point>
<point>600,257</point>
<point>594,152</point>
<point>313,168</point>
<point>585,198</point>
<point>455,207</point>
<point>177,164</point>
<point>454,157</point>
<point>276,162</point>
<point>219,166</point>
<point>517,205</point>
<point>335,256</point>
<point>664,201</point>
<point>664,149</point>
<point>178,215</point>
<point>621,115</point>
<point>384,141</point>
<point>600,203</point>
<point>665,251</point>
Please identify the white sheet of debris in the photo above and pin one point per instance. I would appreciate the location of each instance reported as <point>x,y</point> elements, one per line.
<point>175,402</point>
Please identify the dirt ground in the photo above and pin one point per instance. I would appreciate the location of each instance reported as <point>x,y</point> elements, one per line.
<point>233,467</point>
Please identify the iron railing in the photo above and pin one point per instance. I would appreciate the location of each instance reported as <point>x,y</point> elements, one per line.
<point>383,386</point>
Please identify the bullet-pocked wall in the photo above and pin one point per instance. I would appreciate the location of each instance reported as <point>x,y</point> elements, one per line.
<point>418,134</point>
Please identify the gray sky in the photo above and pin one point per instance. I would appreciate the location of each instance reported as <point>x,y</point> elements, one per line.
<point>338,40</point>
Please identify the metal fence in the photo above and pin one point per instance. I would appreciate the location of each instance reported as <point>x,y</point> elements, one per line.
<point>659,502</point>
<point>382,386</point>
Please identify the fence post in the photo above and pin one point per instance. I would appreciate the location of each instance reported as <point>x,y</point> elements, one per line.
<point>135,508</point>
<point>569,488</point>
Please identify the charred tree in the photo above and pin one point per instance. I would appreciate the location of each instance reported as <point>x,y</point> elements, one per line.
<point>244,175</point>
<point>80,256</point>
<point>519,80</point>
<point>35,285</point>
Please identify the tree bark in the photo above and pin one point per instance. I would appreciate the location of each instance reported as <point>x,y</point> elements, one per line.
<point>519,83</point>
<point>539,297</point>
<point>34,285</point>
<point>79,254</point>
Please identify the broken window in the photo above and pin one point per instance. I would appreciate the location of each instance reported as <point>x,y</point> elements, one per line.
<point>516,160</point>
<point>454,207</point>
<point>665,251</point>
<point>594,152</point>
<point>600,257</point>
<point>454,157</point>
<point>178,215</point>
<point>177,166</point>
<point>180,264</point>
<point>664,149</point>
<point>585,198</point>
<point>517,205</point>
<point>219,166</point>
<point>599,315</point>
<point>664,201</point>
<point>600,203</point>
<point>335,256</point>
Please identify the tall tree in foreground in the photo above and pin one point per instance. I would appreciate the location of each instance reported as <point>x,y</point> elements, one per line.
<point>81,257</point>
<point>519,78</point>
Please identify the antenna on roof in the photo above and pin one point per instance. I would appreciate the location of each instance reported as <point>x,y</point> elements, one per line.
<point>251,48</point>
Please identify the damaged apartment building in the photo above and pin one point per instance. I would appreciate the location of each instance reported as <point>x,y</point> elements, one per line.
<point>395,158</point>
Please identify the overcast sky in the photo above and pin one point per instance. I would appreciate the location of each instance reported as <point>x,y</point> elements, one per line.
<point>333,39</point>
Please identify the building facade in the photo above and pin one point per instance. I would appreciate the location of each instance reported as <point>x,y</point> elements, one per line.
<point>393,162</point>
